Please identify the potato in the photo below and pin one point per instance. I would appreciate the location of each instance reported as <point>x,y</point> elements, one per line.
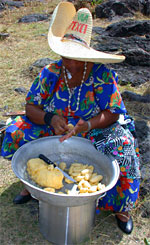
<point>49,189</point>
<point>62,165</point>
<point>96,178</point>
<point>100,186</point>
<point>68,181</point>
<point>92,189</point>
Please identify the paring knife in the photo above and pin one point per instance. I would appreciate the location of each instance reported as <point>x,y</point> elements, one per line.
<point>48,161</point>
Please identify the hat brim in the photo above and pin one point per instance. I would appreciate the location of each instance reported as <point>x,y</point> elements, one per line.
<point>76,51</point>
<point>69,48</point>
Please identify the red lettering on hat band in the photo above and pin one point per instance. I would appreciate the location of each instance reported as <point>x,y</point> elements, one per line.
<point>72,25</point>
<point>78,27</point>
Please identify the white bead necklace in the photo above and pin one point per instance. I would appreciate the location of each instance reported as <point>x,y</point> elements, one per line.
<point>70,90</point>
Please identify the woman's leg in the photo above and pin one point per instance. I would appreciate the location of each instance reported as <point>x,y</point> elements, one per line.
<point>120,143</point>
<point>121,199</point>
<point>20,131</point>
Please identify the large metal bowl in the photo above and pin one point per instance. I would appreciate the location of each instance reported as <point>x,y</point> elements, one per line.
<point>75,149</point>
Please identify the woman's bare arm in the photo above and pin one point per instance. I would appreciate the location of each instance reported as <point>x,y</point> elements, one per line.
<point>35,113</point>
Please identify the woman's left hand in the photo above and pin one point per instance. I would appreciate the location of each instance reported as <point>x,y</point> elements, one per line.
<point>81,126</point>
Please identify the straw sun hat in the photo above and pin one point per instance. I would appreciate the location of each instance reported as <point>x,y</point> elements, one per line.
<point>70,35</point>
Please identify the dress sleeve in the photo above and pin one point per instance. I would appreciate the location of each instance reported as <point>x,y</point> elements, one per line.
<point>106,90</point>
<point>43,85</point>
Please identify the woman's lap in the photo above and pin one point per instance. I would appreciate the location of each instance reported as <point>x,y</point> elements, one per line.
<point>121,197</point>
<point>21,131</point>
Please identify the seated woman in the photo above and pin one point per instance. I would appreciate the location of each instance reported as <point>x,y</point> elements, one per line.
<point>79,89</point>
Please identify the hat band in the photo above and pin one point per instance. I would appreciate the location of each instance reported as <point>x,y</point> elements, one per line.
<point>74,38</point>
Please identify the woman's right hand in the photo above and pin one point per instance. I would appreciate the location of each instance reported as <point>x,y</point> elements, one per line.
<point>59,124</point>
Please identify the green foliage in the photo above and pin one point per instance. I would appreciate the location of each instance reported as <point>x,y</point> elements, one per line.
<point>146,241</point>
<point>95,2</point>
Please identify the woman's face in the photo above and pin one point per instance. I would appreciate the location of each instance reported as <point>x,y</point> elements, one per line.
<point>73,66</point>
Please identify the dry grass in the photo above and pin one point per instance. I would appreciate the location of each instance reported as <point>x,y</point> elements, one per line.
<point>26,44</point>
<point>19,223</point>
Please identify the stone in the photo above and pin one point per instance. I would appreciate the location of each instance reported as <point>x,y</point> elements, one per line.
<point>127,28</point>
<point>3,35</point>
<point>36,67</point>
<point>11,4</point>
<point>42,62</point>
<point>136,48</point>
<point>131,96</point>
<point>21,90</point>
<point>34,18</point>
<point>112,8</point>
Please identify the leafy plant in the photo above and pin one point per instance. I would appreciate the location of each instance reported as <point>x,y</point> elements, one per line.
<point>95,2</point>
<point>146,241</point>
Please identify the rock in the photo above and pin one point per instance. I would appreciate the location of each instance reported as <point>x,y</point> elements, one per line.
<point>131,96</point>
<point>135,68</point>
<point>2,6</point>
<point>143,136</point>
<point>21,90</point>
<point>39,64</point>
<point>11,4</point>
<point>128,74</point>
<point>127,28</point>
<point>112,8</point>
<point>34,18</point>
<point>109,9</point>
<point>3,36</point>
<point>146,8</point>
<point>137,56</point>
<point>146,209</point>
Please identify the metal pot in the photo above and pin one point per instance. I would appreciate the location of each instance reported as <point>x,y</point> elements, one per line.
<point>65,219</point>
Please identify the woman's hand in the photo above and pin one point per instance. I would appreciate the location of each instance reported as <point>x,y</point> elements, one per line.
<point>81,126</point>
<point>59,124</point>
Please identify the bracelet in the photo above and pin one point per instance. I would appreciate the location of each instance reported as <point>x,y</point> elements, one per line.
<point>89,126</point>
<point>48,117</point>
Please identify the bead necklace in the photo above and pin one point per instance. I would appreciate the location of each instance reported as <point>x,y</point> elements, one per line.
<point>70,90</point>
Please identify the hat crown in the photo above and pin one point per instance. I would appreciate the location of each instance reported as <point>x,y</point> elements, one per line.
<point>70,35</point>
<point>80,28</point>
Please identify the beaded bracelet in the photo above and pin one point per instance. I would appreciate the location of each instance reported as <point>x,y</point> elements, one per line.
<point>48,117</point>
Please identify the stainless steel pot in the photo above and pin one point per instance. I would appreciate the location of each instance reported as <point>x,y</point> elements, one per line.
<point>65,219</point>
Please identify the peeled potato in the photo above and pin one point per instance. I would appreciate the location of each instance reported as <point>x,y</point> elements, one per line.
<point>49,189</point>
<point>62,165</point>
<point>41,173</point>
<point>71,126</point>
<point>96,178</point>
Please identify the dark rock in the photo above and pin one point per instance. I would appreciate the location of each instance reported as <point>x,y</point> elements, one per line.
<point>21,90</point>
<point>3,36</point>
<point>10,4</point>
<point>135,68</point>
<point>137,56</point>
<point>146,8</point>
<point>146,209</point>
<point>142,130</point>
<point>129,28</point>
<point>2,6</point>
<point>34,18</point>
<point>131,96</point>
<point>111,8</point>
<point>40,63</point>
<point>136,49</point>
<point>143,136</point>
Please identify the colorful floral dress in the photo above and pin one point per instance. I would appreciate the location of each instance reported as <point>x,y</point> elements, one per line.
<point>99,92</point>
